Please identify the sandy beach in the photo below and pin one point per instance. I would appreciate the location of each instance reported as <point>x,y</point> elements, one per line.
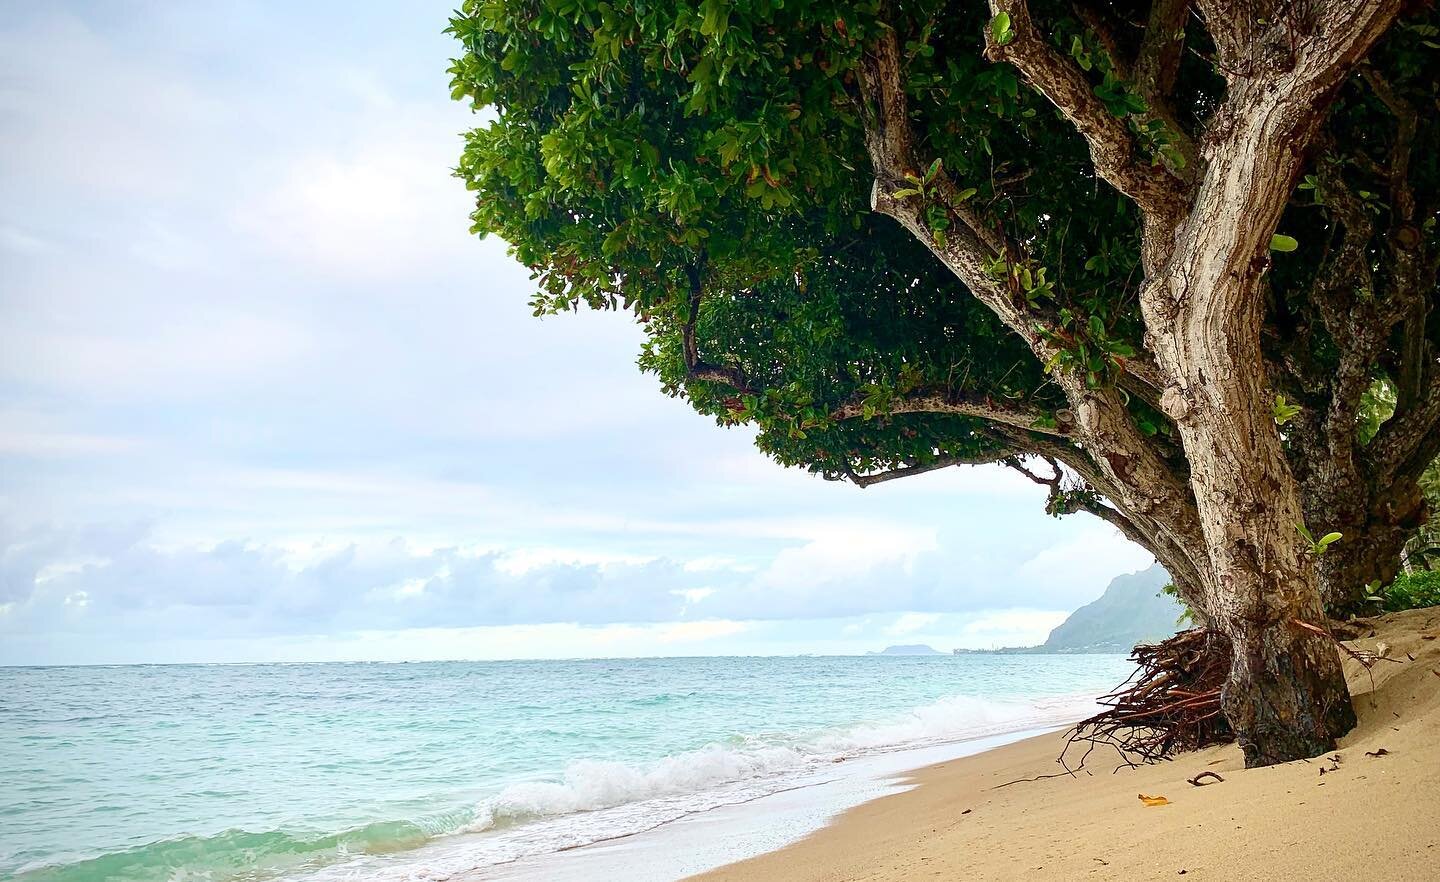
<point>1369,811</point>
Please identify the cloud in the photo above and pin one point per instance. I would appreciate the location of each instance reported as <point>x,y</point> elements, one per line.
<point>846,551</point>
<point>124,579</point>
<point>194,352</point>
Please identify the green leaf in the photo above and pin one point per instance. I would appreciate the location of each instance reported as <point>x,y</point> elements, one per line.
<point>1000,28</point>
<point>1329,538</point>
<point>1284,411</point>
<point>716,18</point>
<point>1280,242</point>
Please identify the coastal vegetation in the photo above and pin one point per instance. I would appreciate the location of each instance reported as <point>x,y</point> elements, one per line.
<point>1175,262</point>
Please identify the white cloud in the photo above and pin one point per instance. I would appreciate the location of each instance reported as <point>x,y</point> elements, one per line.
<point>193,351</point>
<point>693,595</point>
<point>695,632</point>
<point>714,563</point>
<point>1013,627</point>
<point>524,560</point>
<point>845,550</point>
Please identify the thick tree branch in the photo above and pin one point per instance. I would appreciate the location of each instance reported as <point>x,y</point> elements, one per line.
<point>1321,42</point>
<point>1402,197</point>
<point>1142,378</point>
<point>1360,320</point>
<point>1098,21</point>
<point>972,244</point>
<point>1020,415</point>
<point>1157,65</point>
<point>1350,320</point>
<point>910,471</point>
<point>1157,189</point>
<point>1405,242</point>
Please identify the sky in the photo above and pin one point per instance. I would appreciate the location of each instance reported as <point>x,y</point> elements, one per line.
<point>264,398</point>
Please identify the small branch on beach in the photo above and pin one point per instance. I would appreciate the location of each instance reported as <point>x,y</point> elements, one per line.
<point>1068,773</point>
<point>1199,780</point>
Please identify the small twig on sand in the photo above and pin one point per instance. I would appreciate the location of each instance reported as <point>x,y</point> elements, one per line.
<point>1199,780</point>
<point>1036,778</point>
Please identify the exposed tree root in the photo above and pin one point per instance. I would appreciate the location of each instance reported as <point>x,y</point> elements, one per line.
<point>1169,705</point>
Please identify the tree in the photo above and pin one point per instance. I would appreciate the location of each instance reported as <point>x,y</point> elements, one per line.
<point>1161,258</point>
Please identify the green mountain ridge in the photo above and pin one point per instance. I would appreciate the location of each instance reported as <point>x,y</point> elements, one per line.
<point>1132,610</point>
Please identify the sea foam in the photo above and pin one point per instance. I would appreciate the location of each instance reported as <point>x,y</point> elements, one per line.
<point>599,800</point>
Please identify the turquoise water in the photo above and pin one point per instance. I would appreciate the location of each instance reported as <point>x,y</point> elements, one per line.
<point>336,771</point>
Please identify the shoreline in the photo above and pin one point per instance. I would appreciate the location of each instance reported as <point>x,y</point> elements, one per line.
<point>1365,816</point>
<point>713,839</point>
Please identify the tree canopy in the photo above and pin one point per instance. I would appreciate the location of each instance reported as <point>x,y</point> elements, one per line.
<point>704,165</point>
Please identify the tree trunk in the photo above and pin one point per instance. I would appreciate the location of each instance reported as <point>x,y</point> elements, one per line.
<point>1286,696</point>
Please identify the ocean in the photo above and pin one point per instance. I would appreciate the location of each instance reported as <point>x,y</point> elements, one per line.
<point>452,770</point>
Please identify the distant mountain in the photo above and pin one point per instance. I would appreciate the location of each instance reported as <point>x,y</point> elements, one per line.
<point>910,649</point>
<point>1132,610</point>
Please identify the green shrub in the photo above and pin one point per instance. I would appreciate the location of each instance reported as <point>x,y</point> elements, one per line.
<point>1412,590</point>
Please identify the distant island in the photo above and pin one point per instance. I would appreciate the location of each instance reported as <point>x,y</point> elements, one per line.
<point>1132,610</point>
<point>909,649</point>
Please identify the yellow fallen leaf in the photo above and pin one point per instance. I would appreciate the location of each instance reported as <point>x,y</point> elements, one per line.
<point>1154,800</point>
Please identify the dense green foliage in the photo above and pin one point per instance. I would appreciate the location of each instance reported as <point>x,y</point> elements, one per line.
<point>636,145</point>
<point>703,164</point>
<point>1411,591</point>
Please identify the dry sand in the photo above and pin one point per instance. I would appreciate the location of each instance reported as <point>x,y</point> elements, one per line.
<point>1366,818</point>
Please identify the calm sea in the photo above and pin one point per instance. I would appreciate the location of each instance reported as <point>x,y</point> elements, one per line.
<point>351,771</point>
